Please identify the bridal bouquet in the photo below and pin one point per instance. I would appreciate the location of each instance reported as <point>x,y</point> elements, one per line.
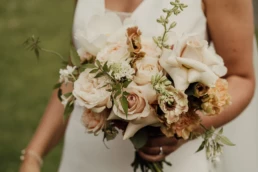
<point>132,82</point>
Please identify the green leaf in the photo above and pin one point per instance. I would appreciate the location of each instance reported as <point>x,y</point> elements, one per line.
<point>100,74</point>
<point>36,51</point>
<point>98,63</point>
<point>94,71</point>
<point>88,66</point>
<point>75,58</point>
<point>105,67</point>
<point>57,85</point>
<point>226,141</point>
<point>220,131</point>
<point>110,132</point>
<point>68,94</point>
<point>139,139</point>
<point>59,94</point>
<point>201,147</point>
<point>126,93</point>
<point>126,83</point>
<point>124,103</point>
<point>68,110</point>
<point>172,25</point>
<point>117,93</point>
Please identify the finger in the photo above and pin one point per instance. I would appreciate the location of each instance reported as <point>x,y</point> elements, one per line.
<point>151,158</point>
<point>151,150</point>
<point>156,150</point>
<point>160,141</point>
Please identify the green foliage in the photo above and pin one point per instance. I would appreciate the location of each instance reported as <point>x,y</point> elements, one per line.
<point>139,139</point>
<point>213,142</point>
<point>110,132</point>
<point>75,58</point>
<point>124,103</point>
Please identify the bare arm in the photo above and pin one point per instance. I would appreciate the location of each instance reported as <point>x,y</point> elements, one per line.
<point>52,126</point>
<point>48,134</point>
<point>230,23</point>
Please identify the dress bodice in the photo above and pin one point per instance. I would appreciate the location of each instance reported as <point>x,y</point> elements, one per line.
<point>192,20</point>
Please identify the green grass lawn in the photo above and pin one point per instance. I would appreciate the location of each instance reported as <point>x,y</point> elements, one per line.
<point>25,84</point>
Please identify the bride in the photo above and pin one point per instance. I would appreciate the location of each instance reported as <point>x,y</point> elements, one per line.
<point>227,23</point>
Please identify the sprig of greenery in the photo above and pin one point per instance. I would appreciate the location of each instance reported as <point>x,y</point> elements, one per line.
<point>110,132</point>
<point>213,142</point>
<point>177,8</point>
<point>32,44</point>
<point>159,83</point>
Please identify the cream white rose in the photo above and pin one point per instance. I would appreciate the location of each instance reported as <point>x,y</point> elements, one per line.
<point>149,47</point>
<point>146,68</point>
<point>90,93</point>
<point>113,53</point>
<point>96,33</point>
<point>94,122</point>
<point>192,61</point>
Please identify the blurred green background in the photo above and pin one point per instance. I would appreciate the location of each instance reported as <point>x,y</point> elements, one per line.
<point>26,85</point>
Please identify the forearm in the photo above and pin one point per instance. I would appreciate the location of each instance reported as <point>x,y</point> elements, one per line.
<point>51,128</point>
<point>241,90</point>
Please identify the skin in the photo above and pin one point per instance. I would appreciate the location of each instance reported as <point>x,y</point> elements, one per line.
<point>234,45</point>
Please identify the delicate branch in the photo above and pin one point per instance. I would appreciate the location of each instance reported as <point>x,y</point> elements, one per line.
<point>53,52</point>
<point>164,21</point>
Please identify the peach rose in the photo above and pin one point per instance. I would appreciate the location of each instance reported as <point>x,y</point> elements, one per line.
<point>187,123</point>
<point>138,104</point>
<point>94,122</point>
<point>218,98</point>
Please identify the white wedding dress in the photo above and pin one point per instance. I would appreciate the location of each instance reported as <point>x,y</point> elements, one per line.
<point>85,152</point>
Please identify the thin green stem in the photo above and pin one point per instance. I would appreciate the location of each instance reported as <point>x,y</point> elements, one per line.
<point>166,31</point>
<point>204,128</point>
<point>157,168</point>
<point>53,52</point>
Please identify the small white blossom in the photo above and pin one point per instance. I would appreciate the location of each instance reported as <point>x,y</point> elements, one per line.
<point>65,100</point>
<point>66,74</point>
<point>122,70</point>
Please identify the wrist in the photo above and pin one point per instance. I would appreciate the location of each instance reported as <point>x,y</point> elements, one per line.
<point>31,157</point>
